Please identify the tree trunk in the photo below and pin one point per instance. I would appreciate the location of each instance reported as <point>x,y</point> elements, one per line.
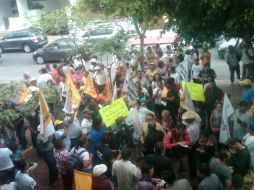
<point>142,37</point>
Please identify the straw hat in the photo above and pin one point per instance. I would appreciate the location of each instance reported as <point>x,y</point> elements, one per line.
<point>190,115</point>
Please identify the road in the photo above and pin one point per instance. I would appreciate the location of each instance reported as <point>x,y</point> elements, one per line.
<point>14,64</point>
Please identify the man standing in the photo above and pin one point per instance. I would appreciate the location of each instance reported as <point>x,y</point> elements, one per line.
<point>248,60</point>
<point>233,63</point>
<point>126,172</point>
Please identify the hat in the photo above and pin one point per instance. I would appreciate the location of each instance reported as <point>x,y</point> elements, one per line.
<point>247,82</point>
<point>251,125</point>
<point>58,122</point>
<point>59,134</point>
<point>93,60</point>
<point>33,79</point>
<point>99,169</point>
<point>190,115</point>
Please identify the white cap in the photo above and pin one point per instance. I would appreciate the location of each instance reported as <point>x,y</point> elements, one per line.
<point>99,169</point>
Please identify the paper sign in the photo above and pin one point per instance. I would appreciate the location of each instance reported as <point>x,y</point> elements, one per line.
<point>196,91</point>
<point>111,112</point>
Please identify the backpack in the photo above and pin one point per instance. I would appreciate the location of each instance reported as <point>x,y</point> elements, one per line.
<point>74,162</point>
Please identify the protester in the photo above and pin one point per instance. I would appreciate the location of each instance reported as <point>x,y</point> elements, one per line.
<point>219,167</point>
<point>248,92</point>
<point>126,172</point>
<point>100,180</point>
<point>210,181</point>
<point>172,183</point>
<point>61,155</point>
<point>249,141</point>
<point>232,60</point>
<point>23,179</point>
<point>216,119</point>
<point>145,182</point>
<point>176,143</point>
<point>81,150</point>
<point>7,171</point>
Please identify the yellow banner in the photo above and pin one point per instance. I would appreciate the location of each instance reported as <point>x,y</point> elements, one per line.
<point>111,112</point>
<point>196,91</point>
<point>76,98</point>
<point>83,181</point>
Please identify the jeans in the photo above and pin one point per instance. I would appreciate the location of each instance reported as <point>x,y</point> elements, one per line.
<point>49,158</point>
<point>21,133</point>
<point>232,70</point>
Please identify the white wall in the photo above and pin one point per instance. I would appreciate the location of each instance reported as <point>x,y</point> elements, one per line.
<point>5,11</point>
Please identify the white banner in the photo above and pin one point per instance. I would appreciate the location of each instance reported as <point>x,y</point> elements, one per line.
<point>182,70</point>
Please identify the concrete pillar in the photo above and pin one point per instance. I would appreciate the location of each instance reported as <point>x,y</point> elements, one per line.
<point>22,8</point>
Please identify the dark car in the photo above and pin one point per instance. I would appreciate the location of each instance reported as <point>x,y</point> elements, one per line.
<point>55,51</point>
<point>27,40</point>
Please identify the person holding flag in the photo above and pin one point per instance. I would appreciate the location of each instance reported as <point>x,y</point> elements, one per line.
<point>45,139</point>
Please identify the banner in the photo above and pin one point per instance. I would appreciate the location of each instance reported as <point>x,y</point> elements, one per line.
<point>46,126</point>
<point>83,181</point>
<point>182,70</point>
<point>129,87</point>
<point>89,87</point>
<point>76,98</point>
<point>196,91</point>
<point>185,100</point>
<point>227,111</point>
<point>111,112</point>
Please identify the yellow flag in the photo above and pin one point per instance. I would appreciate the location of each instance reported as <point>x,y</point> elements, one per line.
<point>83,181</point>
<point>89,87</point>
<point>25,93</point>
<point>46,125</point>
<point>76,98</point>
<point>107,93</point>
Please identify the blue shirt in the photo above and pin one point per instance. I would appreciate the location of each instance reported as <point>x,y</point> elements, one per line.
<point>95,138</point>
<point>248,95</point>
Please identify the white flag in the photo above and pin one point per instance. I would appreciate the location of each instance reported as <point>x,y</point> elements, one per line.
<point>68,103</point>
<point>185,101</point>
<point>182,70</point>
<point>227,111</point>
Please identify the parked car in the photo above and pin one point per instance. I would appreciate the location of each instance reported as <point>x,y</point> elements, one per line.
<point>26,39</point>
<point>58,50</point>
<point>100,33</point>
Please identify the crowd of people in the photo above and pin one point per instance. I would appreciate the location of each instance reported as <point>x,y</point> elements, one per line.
<point>161,145</point>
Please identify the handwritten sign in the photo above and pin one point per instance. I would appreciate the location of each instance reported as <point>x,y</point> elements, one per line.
<point>111,112</point>
<point>196,91</point>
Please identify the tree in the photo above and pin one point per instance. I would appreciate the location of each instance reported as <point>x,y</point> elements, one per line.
<point>204,19</point>
<point>144,13</point>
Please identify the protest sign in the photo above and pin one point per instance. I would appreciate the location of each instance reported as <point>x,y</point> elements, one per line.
<point>111,112</point>
<point>182,70</point>
<point>196,91</point>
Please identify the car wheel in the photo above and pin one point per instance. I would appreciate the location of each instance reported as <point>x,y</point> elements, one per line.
<point>1,50</point>
<point>39,60</point>
<point>27,48</point>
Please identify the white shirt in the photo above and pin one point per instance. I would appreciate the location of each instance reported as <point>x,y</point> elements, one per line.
<point>10,186</point>
<point>86,126</point>
<point>100,77</point>
<point>43,79</point>
<point>74,129</point>
<point>249,142</point>
<point>157,93</point>
<point>84,156</point>
<point>63,89</point>
<point>245,59</point>
<point>5,160</point>
<point>196,70</point>
<point>24,181</point>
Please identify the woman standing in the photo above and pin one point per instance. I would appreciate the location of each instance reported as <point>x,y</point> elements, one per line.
<point>215,120</point>
<point>61,155</point>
